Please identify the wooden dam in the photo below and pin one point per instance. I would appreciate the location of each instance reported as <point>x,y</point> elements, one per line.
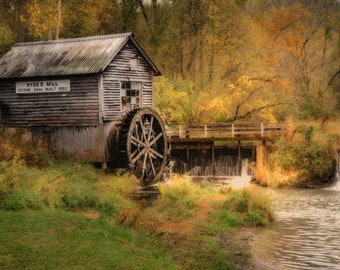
<point>220,150</point>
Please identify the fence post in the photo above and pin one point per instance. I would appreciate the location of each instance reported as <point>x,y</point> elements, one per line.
<point>232,130</point>
<point>262,129</point>
<point>205,131</point>
<point>180,131</point>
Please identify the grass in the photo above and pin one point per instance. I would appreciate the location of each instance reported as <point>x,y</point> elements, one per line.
<point>64,240</point>
<point>246,207</point>
<point>179,198</point>
<point>66,185</point>
<point>63,214</point>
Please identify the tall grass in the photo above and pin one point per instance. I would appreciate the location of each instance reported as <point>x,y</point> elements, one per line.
<point>44,182</point>
<point>64,185</point>
<point>179,197</point>
<point>247,207</point>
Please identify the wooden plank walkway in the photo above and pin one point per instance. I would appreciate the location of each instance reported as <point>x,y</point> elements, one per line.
<point>224,132</point>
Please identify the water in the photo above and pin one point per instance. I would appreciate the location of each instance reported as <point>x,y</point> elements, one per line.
<point>306,231</point>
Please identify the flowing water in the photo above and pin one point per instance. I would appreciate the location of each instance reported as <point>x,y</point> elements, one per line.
<point>306,230</point>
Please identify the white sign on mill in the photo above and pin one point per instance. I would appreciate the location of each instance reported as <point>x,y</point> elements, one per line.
<point>52,86</point>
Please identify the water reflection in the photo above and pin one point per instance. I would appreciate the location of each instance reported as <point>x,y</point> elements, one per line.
<point>306,233</point>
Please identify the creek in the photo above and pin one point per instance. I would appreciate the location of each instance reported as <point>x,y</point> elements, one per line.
<point>306,230</point>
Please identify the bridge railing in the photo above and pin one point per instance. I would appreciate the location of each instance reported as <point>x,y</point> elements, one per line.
<point>225,130</point>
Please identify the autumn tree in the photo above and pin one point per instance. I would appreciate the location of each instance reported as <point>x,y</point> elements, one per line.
<point>42,19</point>
<point>11,28</point>
<point>305,54</point>
<point>88,18</point>
<point>236,60</point>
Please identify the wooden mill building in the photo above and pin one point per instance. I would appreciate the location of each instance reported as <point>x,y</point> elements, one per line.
<point>89,97</point>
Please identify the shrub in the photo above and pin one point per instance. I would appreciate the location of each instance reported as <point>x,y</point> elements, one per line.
<point>179,197</point>
<point>309,158</point>
<point>246,207</point>
<point>14,145</point>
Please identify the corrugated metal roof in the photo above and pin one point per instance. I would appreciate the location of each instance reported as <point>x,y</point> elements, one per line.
<point>76,56</point>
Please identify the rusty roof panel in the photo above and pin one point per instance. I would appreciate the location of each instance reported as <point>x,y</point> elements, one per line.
<point>77,56</point>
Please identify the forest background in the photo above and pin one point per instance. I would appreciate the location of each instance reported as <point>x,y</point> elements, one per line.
<point>222,60</point>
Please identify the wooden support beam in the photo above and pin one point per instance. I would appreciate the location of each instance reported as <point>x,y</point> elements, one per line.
<point>188,157</point>
<point>239,158</point>
<point>260,158</point>
<point>213,158</point>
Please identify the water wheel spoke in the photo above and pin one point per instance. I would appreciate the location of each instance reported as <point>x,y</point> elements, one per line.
<point>144,164</point>
<point>156,153</point>
<point>143,126</point>
<point>150,134</point>
<point>133,161</point>
<point>152,166</point>
<point>136,133</point>
<point>137,142</point>
<point>156,139</point>
<point>135,153</point>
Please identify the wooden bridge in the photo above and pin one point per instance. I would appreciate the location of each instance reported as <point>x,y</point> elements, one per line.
<point>220,149</point>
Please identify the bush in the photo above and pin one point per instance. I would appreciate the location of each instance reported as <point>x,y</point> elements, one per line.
<point>14,145</point>
<point>246,207</point>
<point>179,197</point>
<point>307,159</point>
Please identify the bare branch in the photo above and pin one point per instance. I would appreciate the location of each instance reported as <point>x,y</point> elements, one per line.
<point>255,110</point>
<point>333,78</point>
<point>145,15</point>
<point>264,79</point>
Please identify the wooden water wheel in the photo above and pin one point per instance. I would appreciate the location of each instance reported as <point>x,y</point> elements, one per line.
<point>143,145</point>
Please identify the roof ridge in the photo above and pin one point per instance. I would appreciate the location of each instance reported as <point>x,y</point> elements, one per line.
<point>71,40</point>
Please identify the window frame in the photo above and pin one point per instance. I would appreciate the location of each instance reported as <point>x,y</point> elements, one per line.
<point>130,91</point>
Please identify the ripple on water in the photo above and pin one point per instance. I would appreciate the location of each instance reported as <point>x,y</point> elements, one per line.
<point>306,233</point>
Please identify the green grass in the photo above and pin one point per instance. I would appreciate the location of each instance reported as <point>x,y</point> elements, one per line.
<point>64,185</point>
<point>63,214</point>
<point>179,198</point>
<point>65,240</point>
<point>247,207</point>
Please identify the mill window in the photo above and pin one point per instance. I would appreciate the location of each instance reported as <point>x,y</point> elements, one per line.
<point>130,96</point>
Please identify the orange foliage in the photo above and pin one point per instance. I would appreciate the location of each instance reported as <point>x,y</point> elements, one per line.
<point>287,27</point>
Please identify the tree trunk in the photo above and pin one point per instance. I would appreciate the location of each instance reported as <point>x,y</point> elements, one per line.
<point>58,20</point>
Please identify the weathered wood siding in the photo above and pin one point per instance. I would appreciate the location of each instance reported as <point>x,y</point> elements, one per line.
<point>79,107</point>
<point>120,70</point>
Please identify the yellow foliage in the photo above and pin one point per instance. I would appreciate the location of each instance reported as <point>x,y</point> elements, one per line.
<point>40,19</point>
